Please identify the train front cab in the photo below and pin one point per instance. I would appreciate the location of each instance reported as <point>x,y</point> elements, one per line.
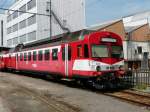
<point>99,56</point>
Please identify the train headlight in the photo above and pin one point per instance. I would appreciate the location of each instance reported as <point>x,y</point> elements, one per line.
<point>98,68</point>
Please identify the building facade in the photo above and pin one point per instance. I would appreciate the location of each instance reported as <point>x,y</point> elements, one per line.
<point>32,20</point>
<point>138,40</point>
<point>138,46</point>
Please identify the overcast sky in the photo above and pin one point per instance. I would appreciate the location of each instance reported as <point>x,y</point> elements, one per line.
<point>98,11</point>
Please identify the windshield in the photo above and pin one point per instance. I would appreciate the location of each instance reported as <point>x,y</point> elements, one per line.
<point>99,51</point>
<point>117,52</point>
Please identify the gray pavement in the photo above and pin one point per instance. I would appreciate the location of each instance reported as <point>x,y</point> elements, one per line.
<point>84,100</point>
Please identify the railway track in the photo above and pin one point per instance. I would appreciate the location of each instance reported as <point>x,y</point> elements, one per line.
<point>132,97</point>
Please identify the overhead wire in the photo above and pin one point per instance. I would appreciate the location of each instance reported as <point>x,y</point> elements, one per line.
<point>75,11</point>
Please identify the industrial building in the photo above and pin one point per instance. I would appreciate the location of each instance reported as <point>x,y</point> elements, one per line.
<point>138,40</point>
<point>138,46</point>
<point>24,26</point>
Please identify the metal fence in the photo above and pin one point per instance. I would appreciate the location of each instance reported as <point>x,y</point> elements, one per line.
<point>137,77</point>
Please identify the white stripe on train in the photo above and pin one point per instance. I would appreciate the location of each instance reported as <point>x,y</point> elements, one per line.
<point>90,65</point>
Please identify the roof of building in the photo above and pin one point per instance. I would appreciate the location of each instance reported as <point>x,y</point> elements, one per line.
<point>103,25</point>
<point>129,29</point>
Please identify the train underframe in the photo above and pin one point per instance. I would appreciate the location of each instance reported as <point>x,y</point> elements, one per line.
<point>105,81</point>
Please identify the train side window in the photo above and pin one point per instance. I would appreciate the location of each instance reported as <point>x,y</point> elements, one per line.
<point>47,55</point>
<point>79,51</point>
<point>63,53</point>
<point>9,56</point>
<point>86,51</point>
<point>69,53</point>
<point>54,54</point>
<point>17,57</point>
<point>29,56</point>
<point>34,55</point>
<point>40,55</point>
<point>21,57</point>
<point>25,56</point>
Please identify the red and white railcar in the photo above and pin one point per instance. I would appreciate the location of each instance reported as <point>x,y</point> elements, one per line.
<point>95,56</point>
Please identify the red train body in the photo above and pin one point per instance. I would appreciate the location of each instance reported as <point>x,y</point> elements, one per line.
<point>93,56</point>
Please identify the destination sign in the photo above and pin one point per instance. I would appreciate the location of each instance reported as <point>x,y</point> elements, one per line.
<point>109,40</point>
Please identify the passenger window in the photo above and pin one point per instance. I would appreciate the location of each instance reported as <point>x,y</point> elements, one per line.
<point>21,57</point>
<point>34,55</point>
<point>25,56</point>
<point>9,56</point>
<point>40,56</point>
<point>79,51</point>
<point>29,56</point>
<point>63,53</point>
<point>17,57</point>
<point>55,54</point>
<point>86,51</point>
<point>47,55</point>
<point>69,53</point>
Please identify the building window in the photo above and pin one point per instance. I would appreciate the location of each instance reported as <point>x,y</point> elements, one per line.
<point>139,48</point>
<point>22,24</point>
<point>15,41</point>
<point>34,56</point>
<point>55,54</point>
<point>32,36</point>
<point>29,56</point>
<point>47,55</point>
<point>22,38</point>
<point>40,55</point>
<point>9,30</point>
<point>31,4</point>
<point>9,18</point>
<point>32,20</point>
<point>15,14</point>
<point>23,9</point>
<point>9,42</point>
<point>15,27</point>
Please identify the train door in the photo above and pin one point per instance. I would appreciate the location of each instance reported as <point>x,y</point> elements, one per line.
<point>16,61</point>
<point>66,61</point>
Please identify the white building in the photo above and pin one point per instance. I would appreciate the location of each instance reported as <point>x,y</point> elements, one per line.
<point>24,27</point>
<point>137,19</point>
<point>138,43</point>
<point>2,29</point>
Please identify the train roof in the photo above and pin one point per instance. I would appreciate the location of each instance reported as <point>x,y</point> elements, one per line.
<point>66,37</point>
<point>4,48</point>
